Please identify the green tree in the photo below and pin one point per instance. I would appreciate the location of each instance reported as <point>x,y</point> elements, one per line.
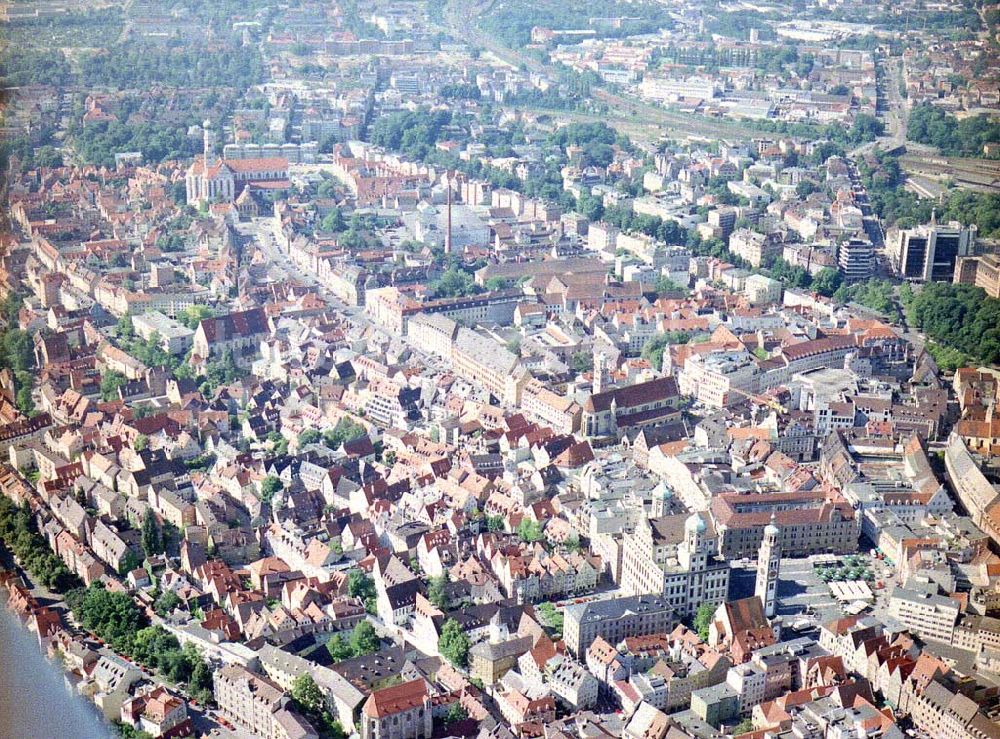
<point>454,283</point>
<point>552,618</point>
<point>306,693</point>
<point>827,282</point>
<point>166,603</point>
<point>347,429</point>
<point>665,285</point>
<point>124,329</point>
<point>17,351</point>
<point>112,616</point>
<point>194,315</point>
<point>333,222</point>
<point>497,283</point>
<point>129,562</point>
<point>24,400</point>
<point>454,643</point>
<point>494,523</point>
<point>360,585</point>
<point>338,648</point>
<point>582,362</point>
<point>437,591</point>
<point>653,350</point>
<point>364,640</point>
<point>530,531</point>
<point>271,485</point>
<point>151,538</point>
<point>309,436</point>
<point>455,713</point>
<point>703,620</point>
<point>111,381</point>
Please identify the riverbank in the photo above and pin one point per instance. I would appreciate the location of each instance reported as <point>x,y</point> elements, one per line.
<point>35,700</point>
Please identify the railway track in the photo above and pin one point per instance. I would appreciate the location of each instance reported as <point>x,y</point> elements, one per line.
<point>981,172</point>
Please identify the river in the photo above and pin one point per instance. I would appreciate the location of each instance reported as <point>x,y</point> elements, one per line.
<point>34,701</point>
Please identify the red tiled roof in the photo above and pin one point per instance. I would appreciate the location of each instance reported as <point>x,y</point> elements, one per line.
<point>396,699</point>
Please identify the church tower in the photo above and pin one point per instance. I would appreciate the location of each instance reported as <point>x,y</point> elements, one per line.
<point>208,142</point>
<point>601,373</point>
<point>768,565</point>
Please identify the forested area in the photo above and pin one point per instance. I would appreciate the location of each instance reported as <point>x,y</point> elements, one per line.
<point>511,22</point>
<point>21,66</point>
<point>902,208</point>
<point>96,143</point>
<point>960,317</point>
<point>863,129</point>
<point>17,353</point>
<point>90,28</point>
<point>19,532</point>
<point>115,619</point>
<point>137,65</point>
<point>961,138</point>
<point>415,134</point>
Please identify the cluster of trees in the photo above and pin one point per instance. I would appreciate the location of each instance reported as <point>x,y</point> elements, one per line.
<point>552,98</point>
<point>530,531</point>
<point>115,619</point>
<point>584,134</point>
<point>111,382</point>
<point>665,286</point>
<point>360,585</point>
<point>971,207</point>
<point>654,348</point>
<point>454,643</point>
<point>311,702</point>
<point>455,283</point>
<point>111,616</point>
<point>669,232</point>
<point>703,620</point>
<point>20,66</point>
<point>31,148</point>
<point>148,351</point>
<point>93,28</point>
<point>151,537</point>
<point>166,602</point>
<point>140,65</point>
<point>99,141</point>
<point>511,22</point>
<point>19,533</point>
<point>158,649</point>
<point>788,274</point>
<point>347,429</point>
<point>827,282</point>
<point>959,318</point>
<point>893,204</point>
<point>864,128</point>
<point>877,295</point>
<point>411,133</point>
<point>552,619</point>
<point>217,373</point>
<point>17,353</point>
<point>461,91</point>
<point>437,591</point>
<point>269,487</point>
<point>127,731</point>
<point>965,138</point>
<point>900,207</point>
<point>363,640</point>
<point>191,317</point>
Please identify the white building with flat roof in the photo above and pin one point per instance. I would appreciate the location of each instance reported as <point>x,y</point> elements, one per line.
<point>173,336</point>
